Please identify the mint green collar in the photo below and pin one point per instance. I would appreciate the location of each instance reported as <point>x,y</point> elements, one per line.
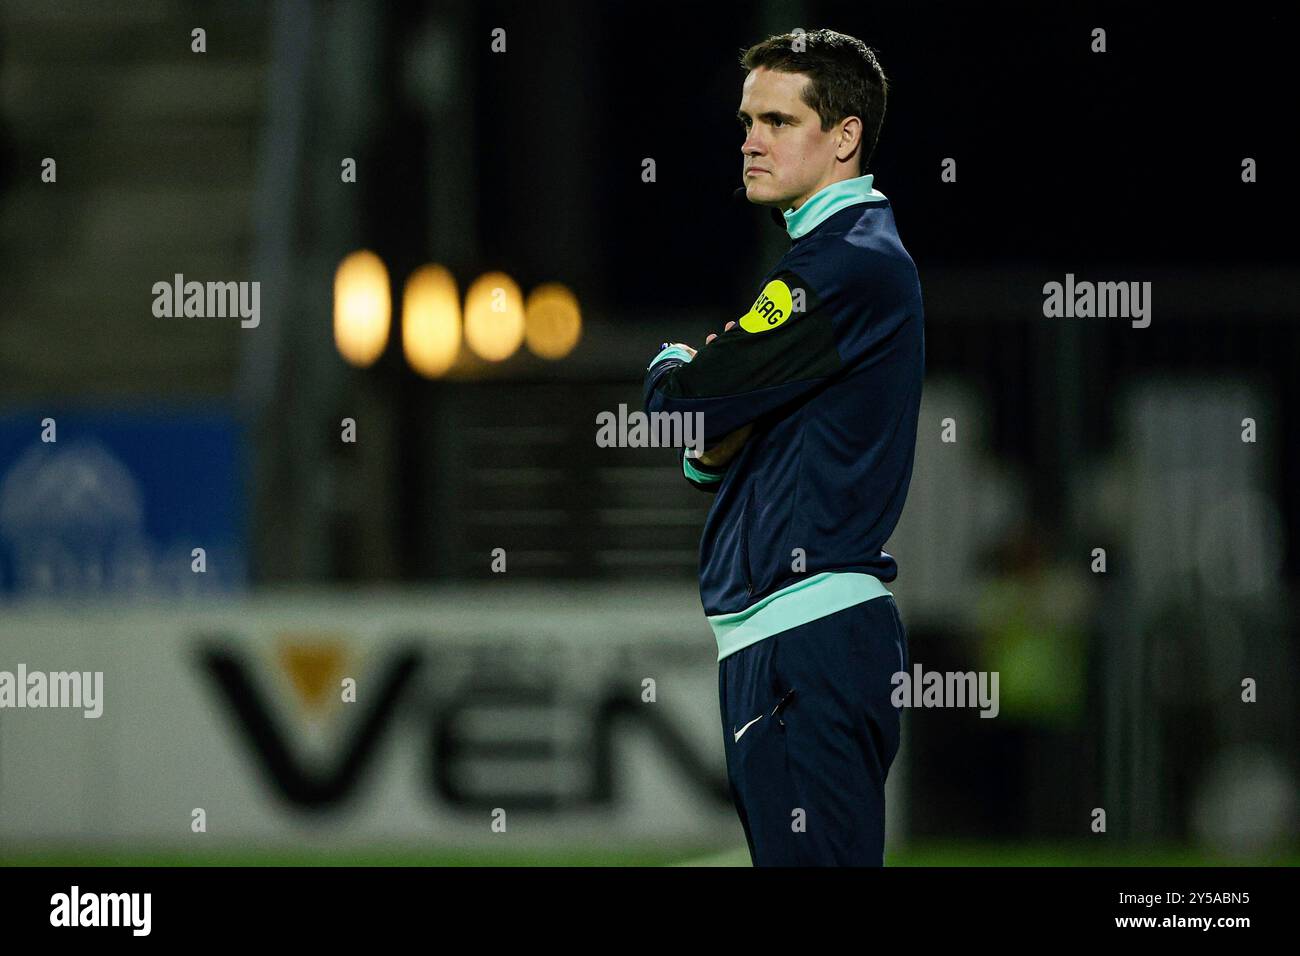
<point>827,201</point>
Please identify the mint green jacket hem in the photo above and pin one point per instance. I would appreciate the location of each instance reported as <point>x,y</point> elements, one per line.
<point>690,470</point>
<point>820,596</point>
<point>669,351</point>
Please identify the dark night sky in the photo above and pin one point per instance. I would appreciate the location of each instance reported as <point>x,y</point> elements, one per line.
<point>1066,159</point>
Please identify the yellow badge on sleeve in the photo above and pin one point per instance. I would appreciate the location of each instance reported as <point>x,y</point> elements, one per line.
<point>770,309</point>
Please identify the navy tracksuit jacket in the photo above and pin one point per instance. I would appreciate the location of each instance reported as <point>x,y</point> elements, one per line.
<point>827,366</point>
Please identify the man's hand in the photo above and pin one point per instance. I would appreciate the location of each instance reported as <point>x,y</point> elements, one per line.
<point>713,335</point>
<point>721,454</point>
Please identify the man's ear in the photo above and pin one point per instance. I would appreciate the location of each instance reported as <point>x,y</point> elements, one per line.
<point>850,137</point>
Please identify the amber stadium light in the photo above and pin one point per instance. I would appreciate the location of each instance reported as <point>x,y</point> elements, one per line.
<point>362,308</point>
<point>431,320</point>
<point>552,321</point>
<point>494,316</point>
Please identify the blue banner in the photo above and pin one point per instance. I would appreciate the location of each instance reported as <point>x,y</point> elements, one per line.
<point>121,503</point>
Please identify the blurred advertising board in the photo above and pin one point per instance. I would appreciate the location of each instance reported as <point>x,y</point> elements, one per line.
<point>453,716</point>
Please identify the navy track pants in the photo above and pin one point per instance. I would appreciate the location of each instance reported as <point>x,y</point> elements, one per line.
<point>810,735</point>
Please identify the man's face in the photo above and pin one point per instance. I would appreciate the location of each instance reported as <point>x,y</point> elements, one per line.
<point>787,156</point>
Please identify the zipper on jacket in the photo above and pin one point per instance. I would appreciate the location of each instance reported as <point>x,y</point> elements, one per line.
<point>744,542</point>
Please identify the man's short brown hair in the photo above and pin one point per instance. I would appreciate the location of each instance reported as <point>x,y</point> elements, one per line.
<point>845,79</point>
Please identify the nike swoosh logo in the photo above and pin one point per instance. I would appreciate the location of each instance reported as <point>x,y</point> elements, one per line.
<point>747,726</point>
